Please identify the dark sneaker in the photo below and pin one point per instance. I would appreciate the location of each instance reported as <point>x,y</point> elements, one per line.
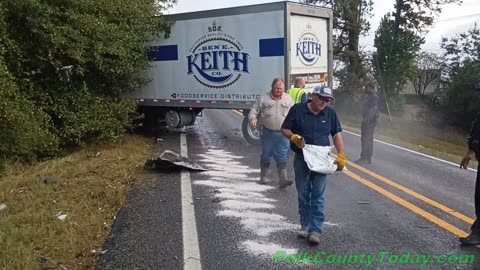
<point>313,239</point>
<point>302,233</point>
<point>472,240</point>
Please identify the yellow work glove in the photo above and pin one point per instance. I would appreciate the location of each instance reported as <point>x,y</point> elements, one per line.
<point>298,140</point>
<point>341,161</point>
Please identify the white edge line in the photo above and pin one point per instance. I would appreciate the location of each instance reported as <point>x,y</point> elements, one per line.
<point>191,251</point>
<point>411,151</point>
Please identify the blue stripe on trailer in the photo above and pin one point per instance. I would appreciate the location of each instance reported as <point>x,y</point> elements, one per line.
<point>163,53</point>
<point>272,47</point>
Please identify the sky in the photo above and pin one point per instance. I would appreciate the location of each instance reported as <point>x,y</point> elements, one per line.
<point>453,19</point>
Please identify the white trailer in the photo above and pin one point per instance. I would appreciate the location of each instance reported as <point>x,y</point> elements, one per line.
<point>226,58</point>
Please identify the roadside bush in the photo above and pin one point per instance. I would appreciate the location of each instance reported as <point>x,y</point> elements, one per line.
<point>24,129</point>
<point>65,67</point>
<point>103,41</point>
<point>81,117</point>
<point>414,99</point>
<point>457,105</point>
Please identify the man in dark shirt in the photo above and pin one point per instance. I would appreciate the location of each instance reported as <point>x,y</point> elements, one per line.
<point>473,142</point>
<point>369,121</point>
<point>312,123</point>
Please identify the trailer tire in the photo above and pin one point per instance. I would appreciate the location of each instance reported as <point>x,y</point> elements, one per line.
<point>251,135</point>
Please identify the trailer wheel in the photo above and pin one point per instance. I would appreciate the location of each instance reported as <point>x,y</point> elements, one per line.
<point>251,135</point>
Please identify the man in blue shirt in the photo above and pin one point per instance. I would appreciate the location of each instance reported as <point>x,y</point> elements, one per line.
<point>312,123</point>
<point>369,121</point>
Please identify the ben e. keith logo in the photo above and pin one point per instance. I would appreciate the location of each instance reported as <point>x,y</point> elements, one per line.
<point>308,46</point>
<point>217,60</point>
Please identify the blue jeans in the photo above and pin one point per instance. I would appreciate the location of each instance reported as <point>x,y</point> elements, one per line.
<point>275,145</point>
<point>311,195</point>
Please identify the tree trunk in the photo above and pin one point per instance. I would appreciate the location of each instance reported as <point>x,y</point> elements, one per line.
<point>354,66</point>
<point>398,14</point>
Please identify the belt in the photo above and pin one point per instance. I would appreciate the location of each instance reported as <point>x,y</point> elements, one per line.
<point>273,130</point>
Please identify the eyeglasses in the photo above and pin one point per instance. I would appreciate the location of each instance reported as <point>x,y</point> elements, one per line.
<point>324,99</point>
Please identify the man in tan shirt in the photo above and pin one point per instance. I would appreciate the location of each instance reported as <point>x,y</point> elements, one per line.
<point>270,110</point>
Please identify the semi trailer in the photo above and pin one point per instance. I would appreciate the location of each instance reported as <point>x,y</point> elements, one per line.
<point>226,58</point>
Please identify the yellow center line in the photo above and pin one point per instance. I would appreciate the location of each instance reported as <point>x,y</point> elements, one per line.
<point>447,226</point>
<point>417,210</point>
<point>414,194</point>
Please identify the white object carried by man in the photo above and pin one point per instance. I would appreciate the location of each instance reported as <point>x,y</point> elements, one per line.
<point>319,159</point>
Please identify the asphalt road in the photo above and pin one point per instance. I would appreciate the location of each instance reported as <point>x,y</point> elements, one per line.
<point>403,208</point>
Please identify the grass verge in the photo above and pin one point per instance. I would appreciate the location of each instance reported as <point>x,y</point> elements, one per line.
<point>447,144</point>
<point>88,186</point>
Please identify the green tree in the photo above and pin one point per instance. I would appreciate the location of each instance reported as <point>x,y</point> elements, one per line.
<point>463,48</point>
<point>457,103</point>
<point>349,22</point>
<point>103,41</point>
<point>428,69</point>
<point>24,129</point>
<point>398,41</point>
<point>417,15</point>
<point>393,62</point>
<point>456,100</point>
